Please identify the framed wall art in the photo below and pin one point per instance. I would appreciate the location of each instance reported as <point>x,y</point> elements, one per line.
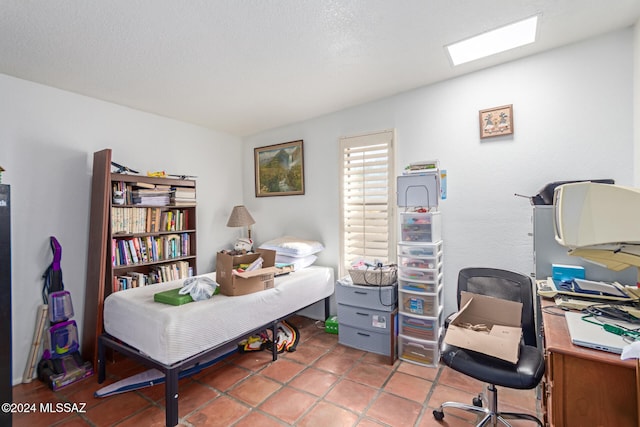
<point>496,121</point>
<point>279,169</point>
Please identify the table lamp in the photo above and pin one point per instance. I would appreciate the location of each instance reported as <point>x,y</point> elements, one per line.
<point>240,217</point>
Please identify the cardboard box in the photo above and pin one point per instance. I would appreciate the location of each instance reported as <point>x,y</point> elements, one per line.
<point>234,283</point>
<point>503,317</point>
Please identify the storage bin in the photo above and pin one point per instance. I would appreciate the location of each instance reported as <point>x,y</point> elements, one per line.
<point>381,298</point>
<point>420,303</point>
<point>420,250</point>
<point>421,227</point>
<point>430,286</point>
<point>427,329</point>
<point>425,262</point>
<point>420,274</point>
<point>418,351</point>
<point>375,342</point>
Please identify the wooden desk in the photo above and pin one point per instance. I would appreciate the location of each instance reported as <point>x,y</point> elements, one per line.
<point>584,387</point>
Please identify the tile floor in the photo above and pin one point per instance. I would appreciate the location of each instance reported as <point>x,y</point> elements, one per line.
<point>321,384</point>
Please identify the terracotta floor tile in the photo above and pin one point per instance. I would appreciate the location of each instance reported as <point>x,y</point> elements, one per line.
<point>443,393</point>
<point>224,377</point>
<point>306,353</point>
<point>191,396</point>
<point>351,395</point>
<point>154,416</point>
<point>374,375</point>
<point>116,408</point>
<point>222,412</point>
<point>255,389</point>
<point>323,383</point>
<point>254,361</point>
<point>288,404</point>
<point>283,370</point>
<point>74,421</point>
<point>258,419</point>
<point>367,422</point>
<point>314,381</point>
<point>394,410</point>
<point>337,364</point>
<point>460,381</point>
<point>424,372</point>
<point>408,386</point>
<point>328,414</point>
<point>323,340</point>
<point>350,352</point>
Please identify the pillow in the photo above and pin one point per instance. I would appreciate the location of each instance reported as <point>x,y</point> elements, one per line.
<point>292,246</point>
<point>298,262</point>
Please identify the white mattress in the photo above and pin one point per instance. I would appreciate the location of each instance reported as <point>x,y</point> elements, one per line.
<point>169,334</point>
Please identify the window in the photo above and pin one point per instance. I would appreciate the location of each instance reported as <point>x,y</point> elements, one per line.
<point>367,187</point>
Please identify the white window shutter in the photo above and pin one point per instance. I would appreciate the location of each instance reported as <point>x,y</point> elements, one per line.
<point>367,189</point>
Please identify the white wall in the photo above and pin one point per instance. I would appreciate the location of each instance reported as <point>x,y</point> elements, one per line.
<point>572,119</point>
<point>47,140</point>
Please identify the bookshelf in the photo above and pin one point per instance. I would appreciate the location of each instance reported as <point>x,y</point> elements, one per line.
<point>142,231</point>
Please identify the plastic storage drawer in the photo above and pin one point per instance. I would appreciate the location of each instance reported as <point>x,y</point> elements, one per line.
<point>420,303</point>
<point>363,318</point>
<point>429,262</point>
<point>418,351</point>
<point>363,339</point>
<point>420,249</point>
<point>421,227</point>
<point>424,328</point>
<point>430,286</point>
<point>420,274</point>
<point>382,298</point>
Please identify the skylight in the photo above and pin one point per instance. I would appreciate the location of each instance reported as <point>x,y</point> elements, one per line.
<point>495,41</point>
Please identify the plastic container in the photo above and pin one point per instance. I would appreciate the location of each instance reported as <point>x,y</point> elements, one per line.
<point>427,262</point>
<point>418,351</point>
<point>420,274</point>
<point>427,329</point>
<point>429,286</point>
<point>421,227</point>
<point>420,303</point>
<point>420,249</point>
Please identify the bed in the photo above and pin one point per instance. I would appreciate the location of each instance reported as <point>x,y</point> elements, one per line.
<point>172,338</point>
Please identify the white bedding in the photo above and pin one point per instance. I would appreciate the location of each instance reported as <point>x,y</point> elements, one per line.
<point>169,334</point>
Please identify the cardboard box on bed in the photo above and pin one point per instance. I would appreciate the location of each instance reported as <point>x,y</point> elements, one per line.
<point>503,317</point>
<point>250,281</point>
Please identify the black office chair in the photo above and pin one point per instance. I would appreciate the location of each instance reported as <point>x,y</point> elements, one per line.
<point>525,374</point>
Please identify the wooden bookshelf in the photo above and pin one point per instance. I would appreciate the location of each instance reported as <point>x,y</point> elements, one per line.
<point>141,238</point>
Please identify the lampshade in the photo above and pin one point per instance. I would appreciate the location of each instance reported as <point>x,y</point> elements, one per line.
<point>240,217</point>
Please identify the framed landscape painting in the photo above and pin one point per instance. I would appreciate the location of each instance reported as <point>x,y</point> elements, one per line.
<point>279,169</point>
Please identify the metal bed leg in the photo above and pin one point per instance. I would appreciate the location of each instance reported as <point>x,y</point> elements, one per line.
<point>102,370</point>
<point>171,397</point>
<point>274,338</point>
<point>327,307</point>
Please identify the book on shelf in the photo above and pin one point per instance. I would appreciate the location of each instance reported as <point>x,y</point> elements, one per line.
<point>143,185</point>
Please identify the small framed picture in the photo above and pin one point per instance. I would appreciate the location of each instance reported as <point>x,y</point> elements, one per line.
<point>279,169</point>
<point>496,121</point>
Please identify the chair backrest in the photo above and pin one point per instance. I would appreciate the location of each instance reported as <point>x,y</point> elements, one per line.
<point>506,285</point>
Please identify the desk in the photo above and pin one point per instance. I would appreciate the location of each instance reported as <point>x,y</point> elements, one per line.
<point>584,387</point>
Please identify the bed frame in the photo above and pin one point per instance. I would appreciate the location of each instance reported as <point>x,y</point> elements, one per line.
<point>172,371</point>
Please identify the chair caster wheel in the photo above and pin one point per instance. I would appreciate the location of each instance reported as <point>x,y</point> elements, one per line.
<point>477,401</point>
<point>438,415</point>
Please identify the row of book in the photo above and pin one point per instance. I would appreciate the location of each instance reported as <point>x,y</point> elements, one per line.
<point>157,274</point>
<point>148,220</point>
<point>141,193</point>
<point>138,250</point>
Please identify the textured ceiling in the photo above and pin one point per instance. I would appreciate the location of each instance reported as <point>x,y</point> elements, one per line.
<point>245,66</point>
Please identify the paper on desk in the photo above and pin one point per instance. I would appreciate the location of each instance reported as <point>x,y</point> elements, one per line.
<point>631,351</point>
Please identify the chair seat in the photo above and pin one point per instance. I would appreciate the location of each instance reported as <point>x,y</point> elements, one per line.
<point>526,374</point>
